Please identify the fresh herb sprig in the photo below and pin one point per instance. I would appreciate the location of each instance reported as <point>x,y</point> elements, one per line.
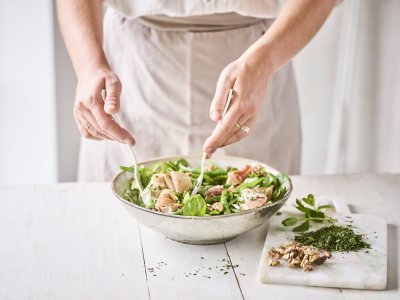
<point>311,213</point>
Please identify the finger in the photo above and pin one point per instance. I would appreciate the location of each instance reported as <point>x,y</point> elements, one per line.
<point>222,131</point>
<point>240,134</point>
<point>108,126</point>
<point>85,132</point>
<point>224,84</point>
<point>88,118</point>
<point>242,120</point>
<point>112,95</point>
<point>93,131</point>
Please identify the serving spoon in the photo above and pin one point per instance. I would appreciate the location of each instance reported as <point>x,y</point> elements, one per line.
<point>144,193</point>
<point>203,159</point>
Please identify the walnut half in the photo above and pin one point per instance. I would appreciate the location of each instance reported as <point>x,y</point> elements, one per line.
<point>298,256</point>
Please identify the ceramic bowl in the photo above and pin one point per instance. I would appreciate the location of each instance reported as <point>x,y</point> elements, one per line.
<point>199,230</point>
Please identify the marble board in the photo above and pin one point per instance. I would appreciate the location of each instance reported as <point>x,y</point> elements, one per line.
<point>366,269</point>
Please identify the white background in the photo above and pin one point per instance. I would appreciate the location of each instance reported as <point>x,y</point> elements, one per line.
<point>39,141</point>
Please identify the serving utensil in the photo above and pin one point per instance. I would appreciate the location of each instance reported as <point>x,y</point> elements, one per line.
<point>203,159</point>
<point>144,193</point>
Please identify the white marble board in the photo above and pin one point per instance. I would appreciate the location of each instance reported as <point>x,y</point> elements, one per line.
<point>366,269</point>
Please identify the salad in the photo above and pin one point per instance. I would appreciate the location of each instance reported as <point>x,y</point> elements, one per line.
<point>223,191</point>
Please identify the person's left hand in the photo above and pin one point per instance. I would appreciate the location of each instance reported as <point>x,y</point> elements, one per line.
<point>248,78</point>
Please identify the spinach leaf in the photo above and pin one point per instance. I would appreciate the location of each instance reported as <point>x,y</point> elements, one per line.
<point>194,206</point>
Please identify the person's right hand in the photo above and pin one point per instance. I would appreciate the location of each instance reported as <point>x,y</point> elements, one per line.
<point>92,114</point>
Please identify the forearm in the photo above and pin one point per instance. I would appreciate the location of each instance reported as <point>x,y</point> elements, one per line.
<point>295,26</point>
<point>82,30</point>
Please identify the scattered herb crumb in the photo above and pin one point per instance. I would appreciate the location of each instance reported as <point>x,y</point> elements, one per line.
<point>278,213</point>
<point>202,257</point>
<point>226,272</point>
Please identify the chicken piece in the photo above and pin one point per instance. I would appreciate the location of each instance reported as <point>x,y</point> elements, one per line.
<point>214,191</point>
<point>265,190</point>
<point>252,199</point>
<point>156,185</point>
<point>167,202</point>
<point>168,181</point>
<point>181,181</point>
<point>253,203</point>
<point>238,176</point>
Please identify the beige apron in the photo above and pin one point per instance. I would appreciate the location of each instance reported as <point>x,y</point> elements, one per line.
<point>169,77</point>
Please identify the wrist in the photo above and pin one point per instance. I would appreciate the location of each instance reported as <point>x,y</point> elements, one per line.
<point>92,66</point>
<point>261,58</point>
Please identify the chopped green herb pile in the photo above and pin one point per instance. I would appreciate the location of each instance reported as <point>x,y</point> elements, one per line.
<point>333,238</point>
<point>311,213</point>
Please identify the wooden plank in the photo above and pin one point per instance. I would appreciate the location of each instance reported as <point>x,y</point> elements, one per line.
<point>181,271</point>
<point>75,241</point>
<point>68,241</point>
<point>367,194</point>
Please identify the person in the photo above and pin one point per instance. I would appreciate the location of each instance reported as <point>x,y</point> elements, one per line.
<point>167,68</point>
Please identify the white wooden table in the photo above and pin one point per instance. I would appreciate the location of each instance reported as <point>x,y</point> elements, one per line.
<point>75,241</point>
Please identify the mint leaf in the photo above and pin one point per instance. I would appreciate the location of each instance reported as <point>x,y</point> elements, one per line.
<point>289,221</point>
<point>303,227</point>
<point>310,200</point>
<point>300,206</point>
<point>318,215</point>
<point>323,207</point>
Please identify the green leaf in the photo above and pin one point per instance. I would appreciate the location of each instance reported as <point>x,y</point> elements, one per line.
<point>317,214</point>
<point>289,221</point>
<point>126,169</point>
<point>303,227</point>
<point>300,206</point>
<point>224,201</point>
<point>248,184</point>
<point>215,212</point>
<point>323,207</point>
<point>194,206</point>
<point>310,200</point>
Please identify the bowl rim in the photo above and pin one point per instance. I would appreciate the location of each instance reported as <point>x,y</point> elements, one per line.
<point>245,212</point>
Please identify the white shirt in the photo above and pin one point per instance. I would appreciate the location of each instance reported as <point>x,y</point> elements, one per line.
<point>266,9</point>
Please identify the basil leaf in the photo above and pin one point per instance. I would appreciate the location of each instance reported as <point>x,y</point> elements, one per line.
<point>289,221</point>
<point>303,227</point>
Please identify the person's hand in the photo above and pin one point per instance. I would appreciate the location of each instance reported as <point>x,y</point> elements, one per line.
<point>92,114</point>
<point>248,78</point>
